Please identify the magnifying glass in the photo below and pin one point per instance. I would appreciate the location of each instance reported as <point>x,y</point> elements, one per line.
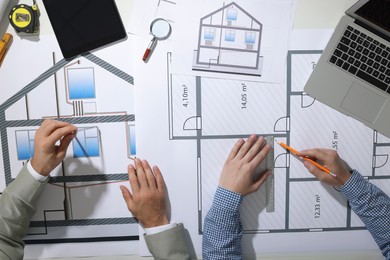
<point>160,29</point>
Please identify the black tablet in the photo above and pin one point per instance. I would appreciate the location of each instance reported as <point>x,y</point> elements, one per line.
<point>84,25</point>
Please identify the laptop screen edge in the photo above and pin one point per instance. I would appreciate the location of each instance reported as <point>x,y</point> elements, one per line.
<point>352,13</point>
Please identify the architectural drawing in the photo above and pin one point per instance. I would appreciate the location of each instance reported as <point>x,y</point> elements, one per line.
<point>229,41</point>
<point>240,39</point>
<point>96,96</point>
<point>214,112</point>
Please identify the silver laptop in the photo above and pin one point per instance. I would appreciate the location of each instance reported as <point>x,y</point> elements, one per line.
<point>353,73</point>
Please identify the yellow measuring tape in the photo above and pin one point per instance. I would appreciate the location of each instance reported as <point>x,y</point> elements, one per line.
<point>24,18</point>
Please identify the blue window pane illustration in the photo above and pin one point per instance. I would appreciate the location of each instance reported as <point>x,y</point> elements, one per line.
<point>81,83</point>
<point>209,34</point>
<point>86,143</point>
<point>25,144</point>
<point>132,146</point>
<point>230,36</point>
<point>231,15</point>
<point>250,38</point>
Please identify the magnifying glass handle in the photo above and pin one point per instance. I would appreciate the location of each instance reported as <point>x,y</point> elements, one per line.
<point>149,49</point>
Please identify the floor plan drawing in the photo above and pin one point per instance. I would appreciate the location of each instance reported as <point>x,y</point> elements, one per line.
<point>229,41</point>
<point>215,112</point>
<point>94,92</point>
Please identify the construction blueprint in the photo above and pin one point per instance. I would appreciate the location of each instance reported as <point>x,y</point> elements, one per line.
<point>198,115</point>
<point>194,98</point>
<point>82,201</point>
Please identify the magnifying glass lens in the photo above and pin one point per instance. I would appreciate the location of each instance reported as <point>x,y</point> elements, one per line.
<point>160,29</point>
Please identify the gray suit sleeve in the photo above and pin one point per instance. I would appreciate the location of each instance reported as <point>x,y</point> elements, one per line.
<point>170,244</point>
<point>17,204</point>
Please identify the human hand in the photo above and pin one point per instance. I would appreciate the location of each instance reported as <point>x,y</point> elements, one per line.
<point>147,200</point>
<point>48,155</point>
<point>237,173</point>
<point>331,160</point>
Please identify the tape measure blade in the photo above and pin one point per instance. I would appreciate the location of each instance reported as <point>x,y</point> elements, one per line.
<point>270,182</point>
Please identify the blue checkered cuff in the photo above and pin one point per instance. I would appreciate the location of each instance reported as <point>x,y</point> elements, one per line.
<point>353,187</point>
<point>226,199</point>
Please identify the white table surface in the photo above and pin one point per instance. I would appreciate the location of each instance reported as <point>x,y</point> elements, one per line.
<point>310,14</point>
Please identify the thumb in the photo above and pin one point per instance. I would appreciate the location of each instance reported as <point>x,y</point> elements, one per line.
<point>64,144</point>
<point>311,168</point>
<point>257,184</point>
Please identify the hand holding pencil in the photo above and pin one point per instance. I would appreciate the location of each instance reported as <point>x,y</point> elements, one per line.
<point>330,160</point>
<point>333,170</point>
<point>306,158</point>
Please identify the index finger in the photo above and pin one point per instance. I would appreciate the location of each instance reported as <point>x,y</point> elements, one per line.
<point>317,153</point>
<point>49,126</point>
<point>60,132</point>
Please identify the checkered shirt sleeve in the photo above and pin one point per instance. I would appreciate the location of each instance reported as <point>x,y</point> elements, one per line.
<point>222,227</point>
<point>372,205</point>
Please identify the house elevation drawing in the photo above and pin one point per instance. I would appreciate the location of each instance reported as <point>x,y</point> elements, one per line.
<point>215,112</point>
<point>95,93</point>
<point>229,41</point>
<point>241,38</point>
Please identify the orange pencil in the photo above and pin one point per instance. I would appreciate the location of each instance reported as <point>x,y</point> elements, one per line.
<point>285,146</point>
<point>4,44</point>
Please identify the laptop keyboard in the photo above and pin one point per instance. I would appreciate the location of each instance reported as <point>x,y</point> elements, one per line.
<point>364,57</point>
